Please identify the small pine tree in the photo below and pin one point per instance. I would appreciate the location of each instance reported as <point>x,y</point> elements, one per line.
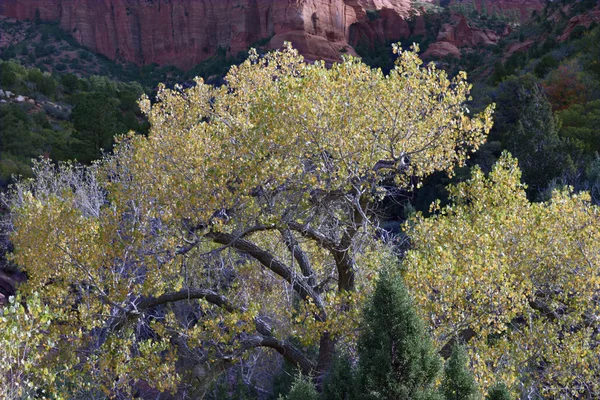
<point>397,359</point>
<point>498,392</point>
<point>459,382</point>
<point>339,383</point>
<point>302,389</point>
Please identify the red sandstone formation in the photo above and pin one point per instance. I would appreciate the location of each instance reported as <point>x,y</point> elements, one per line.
<point>441,49</point>
<point>580,20</point>
<point>185,32</point>
<point>457,33</point>
<point>518,47</point>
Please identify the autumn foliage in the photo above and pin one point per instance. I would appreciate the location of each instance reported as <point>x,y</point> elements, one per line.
<point>519,279</point>
<point>245,219</point>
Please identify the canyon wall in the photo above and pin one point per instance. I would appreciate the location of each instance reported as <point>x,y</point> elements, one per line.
<point>185,32</point>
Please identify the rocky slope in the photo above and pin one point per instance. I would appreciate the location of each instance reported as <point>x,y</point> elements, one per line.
<point>186,32</point>
<point>525,7</point>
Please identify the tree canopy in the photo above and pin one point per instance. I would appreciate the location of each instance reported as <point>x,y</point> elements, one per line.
<point>246,218</point>
<point>519,280</point>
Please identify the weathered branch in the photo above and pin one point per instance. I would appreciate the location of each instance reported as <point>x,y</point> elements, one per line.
<point>299,255</point>
<point>186,294</point>
<point>267,259</point>
<point>313,234</point>
<point>264,338</point>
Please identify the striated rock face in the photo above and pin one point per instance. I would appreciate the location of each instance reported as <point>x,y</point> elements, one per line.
<point>186,32</point>
<point>388,24</point>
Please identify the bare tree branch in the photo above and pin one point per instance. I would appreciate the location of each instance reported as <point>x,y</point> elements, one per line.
<point>299,255</point>
<point>313,234</point>
<point>186,294</point>
<point>299,283</point>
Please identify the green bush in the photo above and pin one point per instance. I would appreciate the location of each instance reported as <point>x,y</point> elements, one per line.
<point>302,389</point>
<point>498,392</point>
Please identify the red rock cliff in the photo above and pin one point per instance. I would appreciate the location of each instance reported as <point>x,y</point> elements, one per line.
<point>185,32</point>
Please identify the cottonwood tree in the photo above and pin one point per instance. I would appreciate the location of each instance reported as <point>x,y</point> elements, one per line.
<point>520,281</point>
<point>244,219</point>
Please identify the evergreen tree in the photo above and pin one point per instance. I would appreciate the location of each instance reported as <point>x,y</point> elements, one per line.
<point>459,382</point>
<point>302,389</point>
<point>396,357</point>
<point>498,392</point>
<point>526,126</point>
<point>339,383</point>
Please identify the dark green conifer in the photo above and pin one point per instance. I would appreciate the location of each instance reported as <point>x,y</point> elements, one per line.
<point>302,389</point>
<point>459,382</point>
<point>339,384</point>
<point>498,392</point>
<point>397,359</point>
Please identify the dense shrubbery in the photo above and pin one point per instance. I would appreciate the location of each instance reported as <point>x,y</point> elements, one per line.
<point>73,118</point>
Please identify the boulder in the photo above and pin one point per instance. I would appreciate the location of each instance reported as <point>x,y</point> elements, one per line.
<point>459,33</point>
<point>440,50</point>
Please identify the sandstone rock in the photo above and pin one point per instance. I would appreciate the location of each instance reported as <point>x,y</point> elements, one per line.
<point>580,20</point>
<point>186,32</point>
<point>420,28</point>
<point>459,33</point>
<point>31,101</point>
<point>9,94</point>
<point>3,101</point>
<point>20,99</point>
<point>388,25</point>
<point>518,47</point>
<point>2,94</point>
<point>440,50</point>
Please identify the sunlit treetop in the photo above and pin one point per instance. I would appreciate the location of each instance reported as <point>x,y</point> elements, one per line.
<point>520,281</point>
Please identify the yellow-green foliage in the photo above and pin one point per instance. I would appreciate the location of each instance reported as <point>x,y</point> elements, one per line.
<point>287,155</point>
<point>23,344</point>
<point>523,277</point>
